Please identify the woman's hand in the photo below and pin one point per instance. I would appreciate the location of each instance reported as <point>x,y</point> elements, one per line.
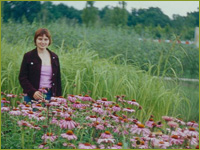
<point>37,95</point>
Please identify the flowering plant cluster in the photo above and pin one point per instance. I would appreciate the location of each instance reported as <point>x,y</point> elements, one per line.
<point>81,122</point>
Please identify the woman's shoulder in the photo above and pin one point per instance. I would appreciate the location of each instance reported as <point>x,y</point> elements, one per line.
<point>53,54</point>
<point>31,52</point>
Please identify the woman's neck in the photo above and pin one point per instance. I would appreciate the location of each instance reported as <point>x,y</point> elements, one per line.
<point>41,51</point>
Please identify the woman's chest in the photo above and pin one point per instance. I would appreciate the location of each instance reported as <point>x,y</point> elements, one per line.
<point>46,60</point>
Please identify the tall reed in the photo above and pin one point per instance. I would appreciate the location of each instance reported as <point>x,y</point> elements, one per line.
<point>83,72</point>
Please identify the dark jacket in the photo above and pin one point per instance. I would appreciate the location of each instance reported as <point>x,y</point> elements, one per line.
<point>29,76</point>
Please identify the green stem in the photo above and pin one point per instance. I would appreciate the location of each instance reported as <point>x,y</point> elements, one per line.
<point>22,137</point>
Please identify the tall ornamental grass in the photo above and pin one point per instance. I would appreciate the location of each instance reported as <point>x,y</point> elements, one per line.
<point>83,72</point>
<point>109,42</point>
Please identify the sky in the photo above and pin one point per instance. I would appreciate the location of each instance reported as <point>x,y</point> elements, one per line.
<point>168,7</point>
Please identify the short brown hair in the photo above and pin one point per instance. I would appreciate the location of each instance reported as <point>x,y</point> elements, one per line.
<point>41,32</point>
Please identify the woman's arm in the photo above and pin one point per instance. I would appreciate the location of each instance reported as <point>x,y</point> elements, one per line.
<point>23,78</point>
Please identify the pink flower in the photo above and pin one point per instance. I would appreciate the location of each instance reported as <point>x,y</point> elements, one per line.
<point>43,90</point>
<point>158,143</point>
<point>5,109</point>
<point>133,102</point>
<point>117,146</point>
<point>11,95</point>
<point>86,98</point>
<point>68,123</point>
<point>140,129</point>
<point>128,110</point>
<point>43,146</point>
<point>99,126</point>
<point>39,117</point>
<point>116,108</point>
<point>54,121</point>
<point>180,121</point>
<point>49,136</point>
<point>86,146</point>
<point>192,124</point>
<point>172,124</point>
<point>71,98</point>
<point>69,135</point>
<point>54,103</point>
<point>175,139</point>
<point>30,114</point>
<point>69,145</point>
<point>60,100</point>
<point>93,118</point>
<point>78,105</point>
<point>106,135</point>
<point>166,118</point>
<point>15,112</point>
<point>99,141</point>
<point>98,109</point>
<point>105,102</point>
<point>191,132</point>
<point>38,106</point>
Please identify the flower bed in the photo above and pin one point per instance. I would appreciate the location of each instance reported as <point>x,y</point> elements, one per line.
<point>84,123</point>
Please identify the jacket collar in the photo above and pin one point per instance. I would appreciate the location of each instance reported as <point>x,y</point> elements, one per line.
<point>35,53</point>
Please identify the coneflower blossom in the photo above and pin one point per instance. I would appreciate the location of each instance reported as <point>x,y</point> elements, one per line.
<point>116,108</point>
<point>54,121</point>
<point>78,105</point>
<point>138,143</point>
<point>60,100</point>
<point>54,103</point>
<point>128,110</point>
<point>38,106</point>
<point>86,146</point>
<point>71,98</point>
<point>5,109</point>
<point>100,127</point>
<point>69,145</point>
<point>42,146</point>
<point>5,101</point>
<point>106,135</point>
<point>133,102</point>
<point>150,123</point>
<point>43,90</point>
<point>172,124</point>
<point>167,118</point>
<point>140,129</point>
<point>99,141</point>
<point>105,102</point>
<point>86,98</point>
<point>30,114</point>
<point>39,117</point>
<point>179,121</point>
<point>191,132</point>
<point>49,136</point>
<point>93,118</point>
<point>176,139</point>
<point>15,112</point>
<point>69,135</point>
<point>11,95</point>
<point>158,143</point>
<point>98,109</point>
<point>116,146</point>
<point>192,124</point>
<point>68,123</point>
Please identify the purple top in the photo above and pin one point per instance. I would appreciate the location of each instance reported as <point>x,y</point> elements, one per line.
<point>46,77</point>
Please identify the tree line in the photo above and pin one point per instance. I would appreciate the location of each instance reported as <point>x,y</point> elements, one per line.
<point>151,20</point>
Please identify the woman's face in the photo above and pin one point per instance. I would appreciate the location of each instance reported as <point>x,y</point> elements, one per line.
<point>42,42</point>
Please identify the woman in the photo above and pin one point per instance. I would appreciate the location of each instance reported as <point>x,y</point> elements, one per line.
<point>40,70</point>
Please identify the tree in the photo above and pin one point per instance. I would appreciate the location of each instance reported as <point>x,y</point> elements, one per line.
<point>89,14</point>
<point>118,16</point>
